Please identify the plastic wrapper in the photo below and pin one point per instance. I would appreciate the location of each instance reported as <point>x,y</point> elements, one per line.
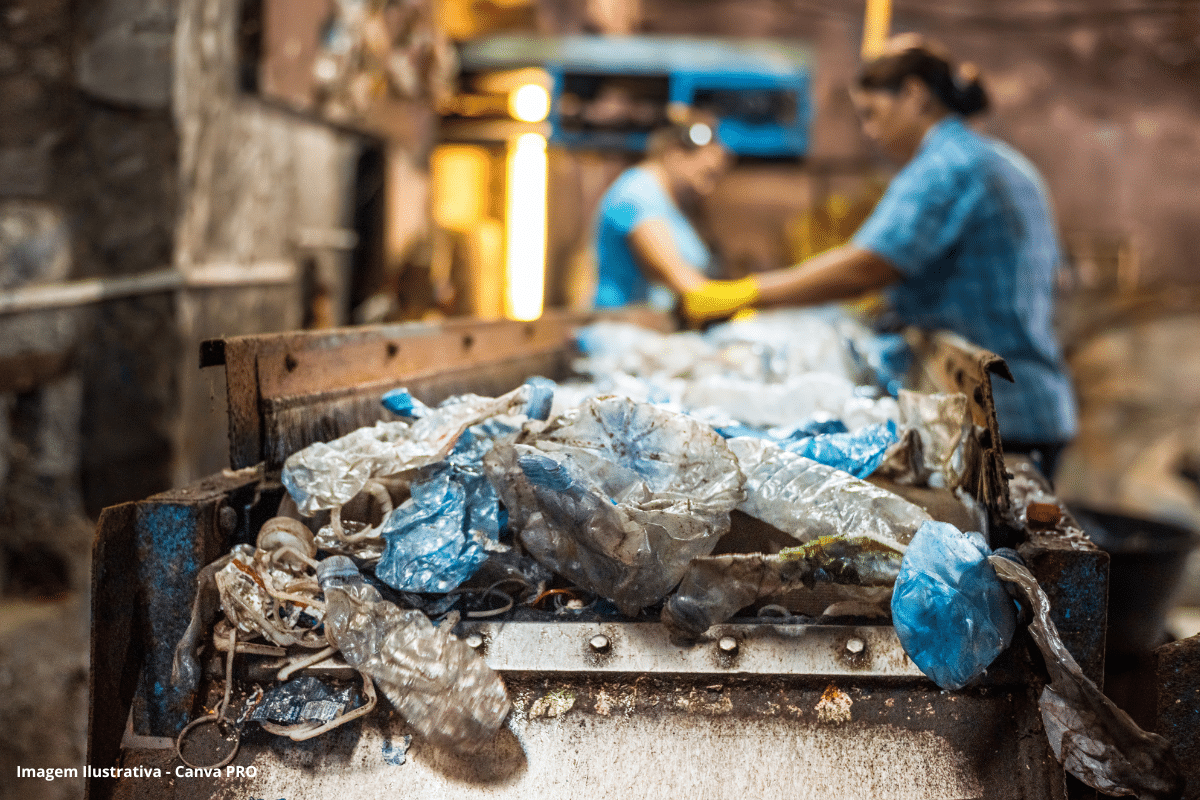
<point>618,347</point>
<point>444,532</point>
<point>807,500</point>
<point>714,588</point>
<point>441,687</point>
<point>857,453</point>
<point>1093,739</point>
<point>304,699</point>
<point>951,613</point>
<point>618,496</point>
<point>329,475</point>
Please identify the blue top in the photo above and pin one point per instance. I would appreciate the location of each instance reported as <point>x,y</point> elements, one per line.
<point>633,198</point>
<point>968,224</point>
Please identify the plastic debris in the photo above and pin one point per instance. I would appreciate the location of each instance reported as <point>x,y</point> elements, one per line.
<point>438,684</point>
<point>808,500</point>
<point>618,496</point>
<point>858,453</point>
<point>329,475</point>
<point>304,699</point>
<point>444,532</point>
<point>951,613</point>
<point>714,588</point>
<point>270,590</point>
<point>1094,740</point>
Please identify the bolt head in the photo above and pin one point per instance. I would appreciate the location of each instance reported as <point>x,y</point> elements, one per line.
<point>599,643</point>
<point>474,641</point>
<point>728,644</point>
<point>855,646</point>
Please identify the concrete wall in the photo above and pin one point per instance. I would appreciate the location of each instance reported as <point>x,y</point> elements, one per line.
<point>131,157</point>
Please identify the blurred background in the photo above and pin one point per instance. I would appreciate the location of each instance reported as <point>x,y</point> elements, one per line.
<point>177,170</point>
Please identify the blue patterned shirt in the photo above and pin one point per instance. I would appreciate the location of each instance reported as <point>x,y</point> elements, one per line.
<point>968,224</point>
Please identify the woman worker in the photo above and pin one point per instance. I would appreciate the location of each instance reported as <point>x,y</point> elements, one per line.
<point>963,239</point>
<point>642,237</point>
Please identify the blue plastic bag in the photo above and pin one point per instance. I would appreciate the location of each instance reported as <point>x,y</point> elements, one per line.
<point>858,453</point>
<point>442,535</point>
<point>950,610</point>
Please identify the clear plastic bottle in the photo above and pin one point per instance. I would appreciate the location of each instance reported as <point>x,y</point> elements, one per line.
<point>441,686</point>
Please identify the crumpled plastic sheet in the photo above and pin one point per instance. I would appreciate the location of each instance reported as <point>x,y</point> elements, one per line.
<point>857,453</point>
<point>306,699</point>
<point>783,435</point>
<point>849,532</point>
<point>449,526</point>
<point>952,614</point>
<point>618,347</point>
<point>441,687</point>
<point>328,475</point>
<point>807,500</point>
<point>943,423</point>
<point>618,496</point>
<point>795,341</point>
<point>886,357</point>
<point>1094,740</point>
<point>714,588</point>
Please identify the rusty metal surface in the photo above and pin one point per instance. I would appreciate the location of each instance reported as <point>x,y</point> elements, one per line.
<point>1178,678</point>
<point>288,390</point>
<point>576,736</point>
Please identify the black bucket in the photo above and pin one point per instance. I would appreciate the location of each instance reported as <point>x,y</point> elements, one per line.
<point>1148,561</point>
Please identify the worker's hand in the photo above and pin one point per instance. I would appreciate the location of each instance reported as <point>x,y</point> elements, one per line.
<point>719,299</point>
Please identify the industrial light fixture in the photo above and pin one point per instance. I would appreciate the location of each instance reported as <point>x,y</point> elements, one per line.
<point>529,103</point>
<point>525,226</point>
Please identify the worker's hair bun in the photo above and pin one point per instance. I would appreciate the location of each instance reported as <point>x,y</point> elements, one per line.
<point>960,88</point>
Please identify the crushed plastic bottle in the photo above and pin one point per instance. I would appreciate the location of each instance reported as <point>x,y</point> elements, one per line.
<point>807,500</point>
<point>441,687</point>
<point>618,496</point>
<point>951,612</point>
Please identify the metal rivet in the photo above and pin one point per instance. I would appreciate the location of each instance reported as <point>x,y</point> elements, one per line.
<point>855,646</point>
<point>474,641</point>
<point>599,643</point>
<point>728,644</point>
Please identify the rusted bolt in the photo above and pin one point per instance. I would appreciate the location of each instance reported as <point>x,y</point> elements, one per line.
<point>855,646</point>
<point>728,645</point>
<point>599,643</point>
<point>474,641</point>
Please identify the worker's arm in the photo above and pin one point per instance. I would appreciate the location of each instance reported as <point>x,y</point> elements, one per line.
<point>653,245</point>
<point>843,273</point>
<point>839,274</point>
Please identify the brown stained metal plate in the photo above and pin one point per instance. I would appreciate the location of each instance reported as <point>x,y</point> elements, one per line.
<point>288,390</point>
<point>574,736</point>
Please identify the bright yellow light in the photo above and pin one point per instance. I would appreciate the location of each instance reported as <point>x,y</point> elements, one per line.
<point>529,103</point>
<point>525,220</point>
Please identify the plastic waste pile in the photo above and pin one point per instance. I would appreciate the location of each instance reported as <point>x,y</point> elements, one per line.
<point>686,478</point>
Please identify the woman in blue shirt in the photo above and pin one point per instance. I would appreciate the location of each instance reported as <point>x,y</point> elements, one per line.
<point>963,239</point>
<point>642,237</point>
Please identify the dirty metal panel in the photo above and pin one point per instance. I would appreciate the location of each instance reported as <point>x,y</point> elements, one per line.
<point>288,390</point>
<point>713,737</point>
<point>645,647</point>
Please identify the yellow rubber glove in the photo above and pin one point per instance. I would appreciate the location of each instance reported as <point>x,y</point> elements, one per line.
<point>719,299</point>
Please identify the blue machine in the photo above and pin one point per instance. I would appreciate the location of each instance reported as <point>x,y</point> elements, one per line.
<point>760,92</point>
